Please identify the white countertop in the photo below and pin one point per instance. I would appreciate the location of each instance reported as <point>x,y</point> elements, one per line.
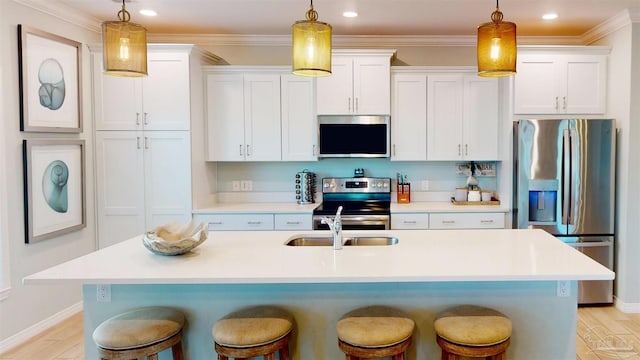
<point>443,206</point>
<point>292,208</point>
<point>246,257</point>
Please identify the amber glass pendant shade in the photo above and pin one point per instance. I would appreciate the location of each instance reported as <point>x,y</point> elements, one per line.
<point>497,48</point>
<point>311,46</point>
<point>124,47</point>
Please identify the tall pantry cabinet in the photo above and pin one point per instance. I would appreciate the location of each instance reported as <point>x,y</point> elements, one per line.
<point>143,142</point>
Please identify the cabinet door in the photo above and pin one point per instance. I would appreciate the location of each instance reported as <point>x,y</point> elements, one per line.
<point>466,220</point>
<point>444,117</point>
<point>167,188</point>
<point>117,100</point>
<point>299,125</point>
<point>409,117</point>
<point>586,83</point>
<point>481,118</point>
<point>236,221</point>
<point>411,221</point>
<point>371,85</point>
<point>166,92</point>
<point>536,85</point>
<point>119,186</point>
<point>225,117</point>
<point>293,222</point>
<point>335,92</point>
<point>262,117</point>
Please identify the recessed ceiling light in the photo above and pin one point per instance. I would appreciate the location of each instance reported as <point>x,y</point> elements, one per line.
<point>148,12</point>
<point>550,16</point>
<point>350,14</point>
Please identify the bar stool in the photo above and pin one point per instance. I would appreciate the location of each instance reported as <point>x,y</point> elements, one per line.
<point>374,332</point>
<point>472,331</point>
<point>255,331</point>
<point>139,333</point>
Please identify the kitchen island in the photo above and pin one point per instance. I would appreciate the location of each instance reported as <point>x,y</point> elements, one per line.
<point>519,272</point>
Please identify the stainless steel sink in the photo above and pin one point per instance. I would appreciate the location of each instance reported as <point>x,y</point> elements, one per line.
<point>348,241</point>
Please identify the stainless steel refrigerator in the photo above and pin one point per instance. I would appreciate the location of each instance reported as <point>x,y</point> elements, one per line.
<point>564,183</point>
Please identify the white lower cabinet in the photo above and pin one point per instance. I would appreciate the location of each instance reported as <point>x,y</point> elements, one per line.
<point>236,221</point>
<point>466,220</point>
<point>410,221</point>
<point>293,222</point>
<point>143,180</point>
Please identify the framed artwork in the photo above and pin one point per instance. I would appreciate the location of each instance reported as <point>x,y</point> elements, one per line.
<point>54,188</point>
<point>50,78</point>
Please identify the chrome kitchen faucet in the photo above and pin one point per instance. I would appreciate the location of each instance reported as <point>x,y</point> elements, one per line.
<point>335,226</point>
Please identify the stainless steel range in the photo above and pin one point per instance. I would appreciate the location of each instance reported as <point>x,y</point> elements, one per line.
<point>365,201</point>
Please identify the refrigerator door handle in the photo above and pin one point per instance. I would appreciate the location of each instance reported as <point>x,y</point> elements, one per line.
<point>566,175</point>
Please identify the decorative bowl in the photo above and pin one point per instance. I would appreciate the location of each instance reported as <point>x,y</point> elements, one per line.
<point>174,239</point>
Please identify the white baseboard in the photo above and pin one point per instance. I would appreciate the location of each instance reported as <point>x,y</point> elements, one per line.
<point>28,333</point>
<point>627,308</point>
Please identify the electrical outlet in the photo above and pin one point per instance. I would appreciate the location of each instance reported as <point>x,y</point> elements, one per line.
<point>235,184</point>
<point>246,185</point>
<point>103,293</point>
<point>425,185</point>
<point>564,288</point>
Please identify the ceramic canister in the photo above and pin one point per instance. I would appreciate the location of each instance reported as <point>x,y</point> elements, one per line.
<point>460,194</point>
<point>474,195</point>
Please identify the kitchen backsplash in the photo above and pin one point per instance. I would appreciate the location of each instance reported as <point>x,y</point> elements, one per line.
<point>274,181</point>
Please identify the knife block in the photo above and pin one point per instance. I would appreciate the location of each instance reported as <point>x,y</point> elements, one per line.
<point>404,193</point>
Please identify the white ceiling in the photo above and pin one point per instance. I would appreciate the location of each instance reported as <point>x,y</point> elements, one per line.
<point>376,17</point>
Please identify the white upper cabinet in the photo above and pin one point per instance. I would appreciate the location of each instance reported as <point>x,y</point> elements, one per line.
<point>144,181</point>
<point>462,117</point>
<point>408,117</point>
<point>560,84</point>
<point>243,117</point>
<point>299,125</point>
<point>160,101</point>
<point>359,83</point>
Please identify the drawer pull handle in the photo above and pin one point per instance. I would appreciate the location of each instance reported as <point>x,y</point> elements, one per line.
<point>448,221</point>
<point>409,222</point>
<point>254,222</point>
<point>293,222</point>
<point>215,223</point>
<point>486,221</point>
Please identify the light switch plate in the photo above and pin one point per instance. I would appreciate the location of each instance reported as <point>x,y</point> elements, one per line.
<point>235,185</point>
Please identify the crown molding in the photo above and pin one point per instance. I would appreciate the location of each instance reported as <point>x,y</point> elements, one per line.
<point>353,40</point>
<point>611,25</point>
<point>64,13</point>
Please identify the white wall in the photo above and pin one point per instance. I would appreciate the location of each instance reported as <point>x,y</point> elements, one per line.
<point>623,89</point>
<point>27,306</point>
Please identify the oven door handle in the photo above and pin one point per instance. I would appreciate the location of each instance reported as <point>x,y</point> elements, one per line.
<point>369,219</point>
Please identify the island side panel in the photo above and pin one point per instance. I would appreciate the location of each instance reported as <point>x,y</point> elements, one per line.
<point>544,325</point>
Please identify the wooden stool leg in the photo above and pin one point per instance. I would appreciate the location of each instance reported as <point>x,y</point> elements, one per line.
<point>153,357</point>
<point>399,356</point>
<point>222,357</point>
<point>284,353</point>
<point>271,356</point>
<point>349,357</point>
<point>176,351</point>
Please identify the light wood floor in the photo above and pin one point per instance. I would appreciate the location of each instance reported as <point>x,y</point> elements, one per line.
<point>603,333</point>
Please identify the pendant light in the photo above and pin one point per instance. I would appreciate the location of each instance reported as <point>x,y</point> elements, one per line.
<point>311,46</point>
<point>497,46</point>
<point>124,47</point>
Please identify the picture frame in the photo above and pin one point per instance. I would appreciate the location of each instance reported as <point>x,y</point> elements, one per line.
<point>54,188</point>
<point>50,77</point>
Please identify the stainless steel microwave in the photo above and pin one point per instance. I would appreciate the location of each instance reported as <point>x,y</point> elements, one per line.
<point>353,136</point>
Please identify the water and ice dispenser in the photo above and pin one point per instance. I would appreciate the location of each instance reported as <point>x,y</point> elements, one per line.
<point>543,201</point>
